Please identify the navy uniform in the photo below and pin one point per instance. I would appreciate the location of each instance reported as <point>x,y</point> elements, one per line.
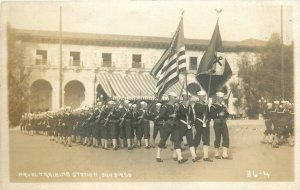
<point>134,126</point>
<point>104,131</point>
<point>95,127</point>
<point>125,124</point>
<point>202,124</point>
<point>143,127</point>
<point>219,114</point>
<point>185,119</point>
<point>268,124</point>
<point>69,123</point>
<point>168,114</point>
<point>283,122</point>
<point>275,123</point>
<point>158,123</point>
<point>113,123</point>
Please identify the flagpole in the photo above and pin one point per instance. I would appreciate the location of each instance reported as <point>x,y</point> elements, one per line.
<point>60,57</point>
<point>282,61</point>
<point>209,81</point>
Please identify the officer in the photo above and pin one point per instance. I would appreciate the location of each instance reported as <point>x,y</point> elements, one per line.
<point>168,114</point>
<point>268,124</point>
<point>220,114</point>
<point>185,117</point>
<point>202,124</point>
<point>158,123</point>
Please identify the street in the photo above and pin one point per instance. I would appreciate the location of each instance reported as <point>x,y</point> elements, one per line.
<point>36,159</point>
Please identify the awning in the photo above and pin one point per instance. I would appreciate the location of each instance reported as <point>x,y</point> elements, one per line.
<point>131,86</point>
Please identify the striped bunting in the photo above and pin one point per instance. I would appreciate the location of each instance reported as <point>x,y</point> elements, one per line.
<point>171,63</point>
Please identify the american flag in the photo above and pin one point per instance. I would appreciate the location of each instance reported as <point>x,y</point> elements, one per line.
<point>171,63</point>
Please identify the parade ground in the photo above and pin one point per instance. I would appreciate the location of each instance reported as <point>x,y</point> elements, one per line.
<point>36,159</point>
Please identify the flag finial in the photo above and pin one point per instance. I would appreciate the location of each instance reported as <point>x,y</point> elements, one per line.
<point>218,11</point>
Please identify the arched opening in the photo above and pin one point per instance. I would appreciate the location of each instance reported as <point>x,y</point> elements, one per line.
<point>74,94</point>
<point>101,94</point>
<point>40,96</point>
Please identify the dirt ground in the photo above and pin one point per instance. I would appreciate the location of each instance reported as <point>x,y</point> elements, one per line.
<point>36,159</point>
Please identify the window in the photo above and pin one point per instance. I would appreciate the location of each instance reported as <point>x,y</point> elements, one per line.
<point>41,57</point>
<point>74,58</point>
<point>136,61</point>
<point>193,63</point>
<point>106,58</point>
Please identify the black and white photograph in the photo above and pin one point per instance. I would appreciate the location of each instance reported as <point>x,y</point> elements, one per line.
<point>149,94</point>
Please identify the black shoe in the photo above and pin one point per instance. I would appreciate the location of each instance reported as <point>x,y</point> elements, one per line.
<point>226,158</point>
<point>182,160</point>
<point>175,159</point>
<point>148,147</point>
<point>115,148</point>
<point>159,160</point>
<point>217,157</point>
<point>207,160</point>
<point>195,160</point>
<point>130,148</point>
<point>275,146</point>
<point>70,145</point>
<point>263,142</point>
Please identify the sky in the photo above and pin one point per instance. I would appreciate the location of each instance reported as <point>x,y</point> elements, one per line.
<point>238,21</point>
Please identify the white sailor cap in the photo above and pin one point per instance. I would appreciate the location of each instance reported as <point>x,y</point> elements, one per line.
<point>276,102</point>
<point>134,105</point>
<point>269,105</point>
<point>144,103</point>
<point>126,102</point>
<point>220,94</point>
<point>99,103</point>
<point>172,94</point>
<point>129,105</point>
<point>201,93</point>
<point>158,104</point>
<point>111,102</point>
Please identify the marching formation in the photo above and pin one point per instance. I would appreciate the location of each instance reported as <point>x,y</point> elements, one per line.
<point>126,124</point>
<point>279,121</point>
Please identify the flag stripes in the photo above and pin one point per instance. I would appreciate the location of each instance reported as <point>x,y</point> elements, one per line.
<point>171,63</point>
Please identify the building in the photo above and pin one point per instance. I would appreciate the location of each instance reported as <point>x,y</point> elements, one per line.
<point>98,65</point>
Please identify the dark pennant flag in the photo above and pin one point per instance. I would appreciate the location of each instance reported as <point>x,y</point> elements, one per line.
<point>214,64</point>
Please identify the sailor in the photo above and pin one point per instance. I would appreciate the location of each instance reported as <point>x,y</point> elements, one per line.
<point>168,113</point>
<point>220,114</point>
<point>185,117</point>
<point>158,123</point>
<point>268,124</point>
<point>202,124</point>
<point>134,127</point>
<point>104,129</point>
<point>113,123</point>
<point>143,128</point>
<point>125,124</point>
<point>275,122</point>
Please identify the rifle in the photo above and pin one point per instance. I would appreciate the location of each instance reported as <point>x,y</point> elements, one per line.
<point>110,113</point>
<point>123,118</point>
